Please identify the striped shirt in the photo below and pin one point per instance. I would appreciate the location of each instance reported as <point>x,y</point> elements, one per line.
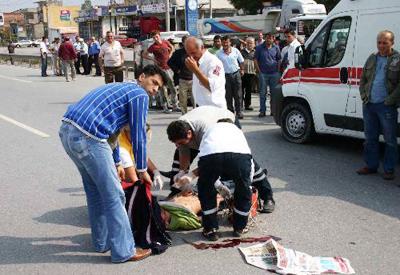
<point>107,109</point>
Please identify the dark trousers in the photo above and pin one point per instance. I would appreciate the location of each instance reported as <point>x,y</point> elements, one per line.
<point>260,179</point>
<point>112,74</point>
<point>43,60</point>
<point>233,87</point>
<point>249,82</point>
<point>85,63</point>
<point>232,165</point>
<point>78,64</point>
<point>94,59</point>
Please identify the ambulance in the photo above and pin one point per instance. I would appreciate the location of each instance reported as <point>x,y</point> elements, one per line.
<point>321,95</point>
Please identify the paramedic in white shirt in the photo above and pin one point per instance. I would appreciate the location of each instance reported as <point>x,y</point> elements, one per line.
<point>43,55</point>
<point>293,43</point>
<point>208,74</point>
<point>220,156</point>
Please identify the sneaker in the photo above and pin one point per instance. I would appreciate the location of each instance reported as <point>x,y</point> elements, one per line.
<point>211,235</point>
<point>366,171</point>
<point>268,207</point>
<point>262,114</point>
<point>167,111</point>
<point>388,176</point>
<point>67,80</point>
<point>238,233</point>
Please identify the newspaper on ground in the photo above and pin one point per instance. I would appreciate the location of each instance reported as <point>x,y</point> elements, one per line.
<point>274,257</point>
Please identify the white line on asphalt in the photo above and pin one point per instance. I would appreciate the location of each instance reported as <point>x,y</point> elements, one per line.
<point>23,126</point>
<point>16,79</point>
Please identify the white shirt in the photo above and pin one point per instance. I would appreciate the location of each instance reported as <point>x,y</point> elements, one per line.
<point>212,67</point>
<point>43,48</point>
<point>84,49</point>
<point>111,54</point>
<point>291,51</point>
<point>126,158</point>
<point>224,137</point>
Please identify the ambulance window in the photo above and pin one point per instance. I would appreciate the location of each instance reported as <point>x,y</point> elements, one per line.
<point>336,45</point>
<point>316,48</point>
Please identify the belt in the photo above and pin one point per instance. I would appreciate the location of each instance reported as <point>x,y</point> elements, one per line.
<point>233,73</point>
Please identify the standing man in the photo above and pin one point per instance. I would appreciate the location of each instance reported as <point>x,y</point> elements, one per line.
<point>380,93</point>
<point>84,132</point>
<point>249,78</point>
<point>208,74</point>
<point>162,51</point>
<point>260,39</point>
<point>84,55</point>
<point>217,45</point>
<point>232,61</point>
<point>55,46</point>
<point>77,47</point>
<point>67,55</point>
<point>11,51</point>
<point>177,64</point>
<point>43,55</point>
<point>111,59</point>
<point>267,62</point>
<point>292,43</point>
<point>94,51</point>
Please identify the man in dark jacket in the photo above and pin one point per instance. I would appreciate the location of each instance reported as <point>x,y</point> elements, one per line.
<point>177,64</point>
<point>11,51</point>
<point>380,93</point>
<point>67,54</point>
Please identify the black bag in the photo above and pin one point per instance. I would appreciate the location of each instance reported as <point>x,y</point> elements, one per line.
<point>144,214</point>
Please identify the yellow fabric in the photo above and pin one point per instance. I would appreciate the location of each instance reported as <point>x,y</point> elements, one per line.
<point>126,144</point>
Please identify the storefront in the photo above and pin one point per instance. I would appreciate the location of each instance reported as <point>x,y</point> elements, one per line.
<point>91,22</point>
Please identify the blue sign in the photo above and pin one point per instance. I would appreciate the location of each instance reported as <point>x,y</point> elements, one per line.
<point>126,10</point>
<point>191,16</point>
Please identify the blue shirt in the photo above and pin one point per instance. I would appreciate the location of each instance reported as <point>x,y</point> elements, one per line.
<point>268,58</point>
<point>379,90</point>
<point>94,48</point>
<point>106,109</point>
<point>230,61</point>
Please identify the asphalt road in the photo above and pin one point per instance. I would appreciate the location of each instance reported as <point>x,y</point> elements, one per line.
<point>323,207</point>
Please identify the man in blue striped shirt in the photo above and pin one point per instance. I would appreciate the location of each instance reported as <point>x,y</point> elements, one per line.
<point>85,129</point>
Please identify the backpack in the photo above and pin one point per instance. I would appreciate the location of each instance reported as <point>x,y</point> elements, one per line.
<point>144,214</point>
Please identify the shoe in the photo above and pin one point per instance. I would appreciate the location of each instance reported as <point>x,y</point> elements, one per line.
<point>268,207</point>
<point>238,233</point>
<point>140,254</point>
<point>261,114</point>
<point>388,176</point>
<point>67,80</point>
<point>240,116</point>
<point>249,108</point>
<point>211,235</point>
<point>167,111</point>
<point>366,171</point>
<point>73,79</point>
<point>177,110</point>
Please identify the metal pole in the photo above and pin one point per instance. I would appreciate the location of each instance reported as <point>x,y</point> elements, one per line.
<point>176,21</point>
<point>167,17</point>
<point>211,9</point>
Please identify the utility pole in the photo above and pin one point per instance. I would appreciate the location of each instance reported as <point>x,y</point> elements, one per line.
<point>167,16</point>
<point>211,9</point>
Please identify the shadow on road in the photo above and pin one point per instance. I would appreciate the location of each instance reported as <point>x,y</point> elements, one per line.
<point>75,216</point>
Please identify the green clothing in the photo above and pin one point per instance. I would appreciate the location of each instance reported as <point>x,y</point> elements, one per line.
<point>392,78</point>
<point>214,50</point>
<point>181,219</point>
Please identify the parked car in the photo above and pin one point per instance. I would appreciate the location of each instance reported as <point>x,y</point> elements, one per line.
<point>125,41</point>
<point>23,43</point>
<point>36,43</point>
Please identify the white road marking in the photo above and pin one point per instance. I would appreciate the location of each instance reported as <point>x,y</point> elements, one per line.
<point>23,126</point>
<point>15,79</point>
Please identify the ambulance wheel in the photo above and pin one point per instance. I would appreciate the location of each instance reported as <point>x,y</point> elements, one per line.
<point>297,124</point>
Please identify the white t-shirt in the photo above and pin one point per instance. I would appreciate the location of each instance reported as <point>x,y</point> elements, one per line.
<point>43,48</point>
<point>84,49</point>
<point>126,158</point>
<point>224,137</point>
<point>111,54</point>
<point>212,67</point>
<point>291,51</point>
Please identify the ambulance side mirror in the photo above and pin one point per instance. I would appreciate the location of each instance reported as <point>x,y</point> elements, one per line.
<point>300,57</point>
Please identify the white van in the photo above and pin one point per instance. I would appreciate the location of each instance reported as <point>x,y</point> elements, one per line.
<point>323,96</point>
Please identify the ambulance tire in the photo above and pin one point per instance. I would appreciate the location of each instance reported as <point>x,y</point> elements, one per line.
<point>296,123</point>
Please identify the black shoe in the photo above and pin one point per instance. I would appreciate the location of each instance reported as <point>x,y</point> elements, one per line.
<point>268,207</point>
<point>261,114</point>
<point>240,116</point>
<point>249,109</point>
<point>239,232</point>
<point>211,235</point>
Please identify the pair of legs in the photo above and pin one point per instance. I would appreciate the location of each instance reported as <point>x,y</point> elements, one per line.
<point>165,101</point>
<point>94,59</point>
<point>266,80</point>
<point>85,63</point>
<point>234,166</point>
<point>56,64</point>
<point>233,87</point>
<point>185,90</point>
<point>105,198</point>
<point>43,61</point>
<point>78,64</point>
<point>379,118</point>
<point>113,74</point>
<point>68,64</point>
<point>249,82</point>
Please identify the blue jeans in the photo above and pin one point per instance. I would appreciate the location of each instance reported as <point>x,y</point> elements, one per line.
<point>265,80</point>
<point>109,221</point>
<point>43,60</point>
<point>379,118</point>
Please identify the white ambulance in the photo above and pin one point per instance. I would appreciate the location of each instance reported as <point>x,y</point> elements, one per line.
<point>323,96</point>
